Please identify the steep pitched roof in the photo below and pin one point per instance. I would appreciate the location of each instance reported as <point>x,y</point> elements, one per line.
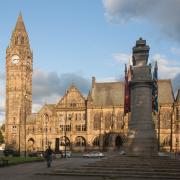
<point>112,93</point>
<point>165,92</point>
<point>108,94</point>
<point>178,96</point>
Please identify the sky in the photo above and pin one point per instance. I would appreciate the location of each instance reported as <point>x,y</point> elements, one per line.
<point>75,40</point>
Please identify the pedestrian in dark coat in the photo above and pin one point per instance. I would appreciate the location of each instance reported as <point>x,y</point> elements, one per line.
<point>49,156</point>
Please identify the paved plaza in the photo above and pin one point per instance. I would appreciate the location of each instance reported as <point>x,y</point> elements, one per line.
<point>30,170</point>
<point>113,166</point>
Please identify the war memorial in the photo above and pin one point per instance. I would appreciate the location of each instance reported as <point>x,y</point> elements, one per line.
<point>115,116</point>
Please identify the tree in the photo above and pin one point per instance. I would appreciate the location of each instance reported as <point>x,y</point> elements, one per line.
<point>1,137</point>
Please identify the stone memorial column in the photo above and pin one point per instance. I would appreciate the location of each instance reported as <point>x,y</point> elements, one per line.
<point>141,137</point>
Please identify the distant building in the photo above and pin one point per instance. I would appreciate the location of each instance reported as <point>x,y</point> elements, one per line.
<point>80,123</point>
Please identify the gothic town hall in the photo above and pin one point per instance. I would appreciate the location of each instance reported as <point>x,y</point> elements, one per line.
<point>76,122</point>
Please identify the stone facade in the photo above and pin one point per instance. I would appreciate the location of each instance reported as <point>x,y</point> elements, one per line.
<point>92,122</point>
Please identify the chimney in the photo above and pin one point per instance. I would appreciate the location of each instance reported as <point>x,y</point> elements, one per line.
<point>93,81</point>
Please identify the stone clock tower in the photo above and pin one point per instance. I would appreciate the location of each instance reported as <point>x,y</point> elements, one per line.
<point>19,61</point>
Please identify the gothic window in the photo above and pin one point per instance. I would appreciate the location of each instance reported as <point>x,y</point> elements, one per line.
<point>84,127</point>
<point>79,116</point>
<point>166,120</point>
<point>73,104</point>
<point>70,117</point>
<point>120,123</point>
<point>22,40</point>
<point>76,117</point>
<point>78,127</point>
<point>108,121</point>
<point>97,121</point>
<point>177,114</point>
<point>16,40</point>
<point>96,142</point>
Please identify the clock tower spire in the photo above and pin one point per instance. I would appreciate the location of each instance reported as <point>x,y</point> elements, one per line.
<point>19,60</point>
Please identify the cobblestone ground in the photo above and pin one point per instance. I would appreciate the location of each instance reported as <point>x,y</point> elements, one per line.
<point>29,171</point>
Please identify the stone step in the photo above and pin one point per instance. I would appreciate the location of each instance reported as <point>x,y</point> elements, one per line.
<point>114,176</point>
<point>139,169</point>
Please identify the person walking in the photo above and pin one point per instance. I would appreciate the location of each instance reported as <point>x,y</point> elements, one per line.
<point>49,156</point>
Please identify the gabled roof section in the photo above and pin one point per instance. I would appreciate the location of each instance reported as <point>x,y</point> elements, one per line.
<point>178,96</point>
<point>72,97</point>
<point>47,107</point>
<point>165,92</point>
<point>108,94</point>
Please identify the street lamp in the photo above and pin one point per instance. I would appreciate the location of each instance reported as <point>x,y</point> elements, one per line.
<point>159,115</point>
<point>25,124</point>
<point>46,121</point>
<point>171,128</point>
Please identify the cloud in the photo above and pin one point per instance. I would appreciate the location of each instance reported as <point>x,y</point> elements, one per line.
<point>175,51</point>
<point>163,14</point>
<point>167,68</point>
<point>122,58</point>
<point>176,83</point>
<point>50,87</point>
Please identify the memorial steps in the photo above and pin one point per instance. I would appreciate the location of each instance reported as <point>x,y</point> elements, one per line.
<point>127,167</point>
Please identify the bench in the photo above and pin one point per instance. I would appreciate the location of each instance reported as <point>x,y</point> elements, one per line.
<point>3,162</point>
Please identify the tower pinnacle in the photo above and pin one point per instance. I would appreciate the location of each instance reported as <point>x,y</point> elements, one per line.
<point>20,23</point>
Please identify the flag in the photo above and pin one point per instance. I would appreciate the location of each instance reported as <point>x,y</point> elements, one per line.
<point>155,89</point>
<point>126,93</point>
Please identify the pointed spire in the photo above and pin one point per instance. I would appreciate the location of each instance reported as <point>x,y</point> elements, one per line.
<point>125,69</point>
<point>89,98</point>
<point>178,96</point>
<point>20,23</point>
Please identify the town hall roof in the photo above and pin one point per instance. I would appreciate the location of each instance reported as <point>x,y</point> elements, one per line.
<point>108,94</point>
<point>112,93</point>
<point>165,92</point>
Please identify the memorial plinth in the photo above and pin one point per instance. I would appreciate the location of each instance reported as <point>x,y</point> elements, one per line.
<point>141,137</point>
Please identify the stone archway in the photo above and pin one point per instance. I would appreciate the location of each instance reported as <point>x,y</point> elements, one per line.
<point>80,143</point>
<point>113,141</point>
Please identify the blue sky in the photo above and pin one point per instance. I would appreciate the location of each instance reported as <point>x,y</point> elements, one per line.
<point>75,40</point>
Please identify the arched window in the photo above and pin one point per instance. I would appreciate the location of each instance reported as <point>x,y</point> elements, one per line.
<point>97,121</point>
<point>80,141</point>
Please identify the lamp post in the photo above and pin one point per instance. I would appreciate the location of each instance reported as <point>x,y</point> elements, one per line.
<point>46,121</point>
<point>20,132</point>
<point>159,115</point>
<point>25,125</point>
<point>171,137</point>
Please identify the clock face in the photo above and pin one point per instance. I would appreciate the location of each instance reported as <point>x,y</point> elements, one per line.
<point>15,59</point>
